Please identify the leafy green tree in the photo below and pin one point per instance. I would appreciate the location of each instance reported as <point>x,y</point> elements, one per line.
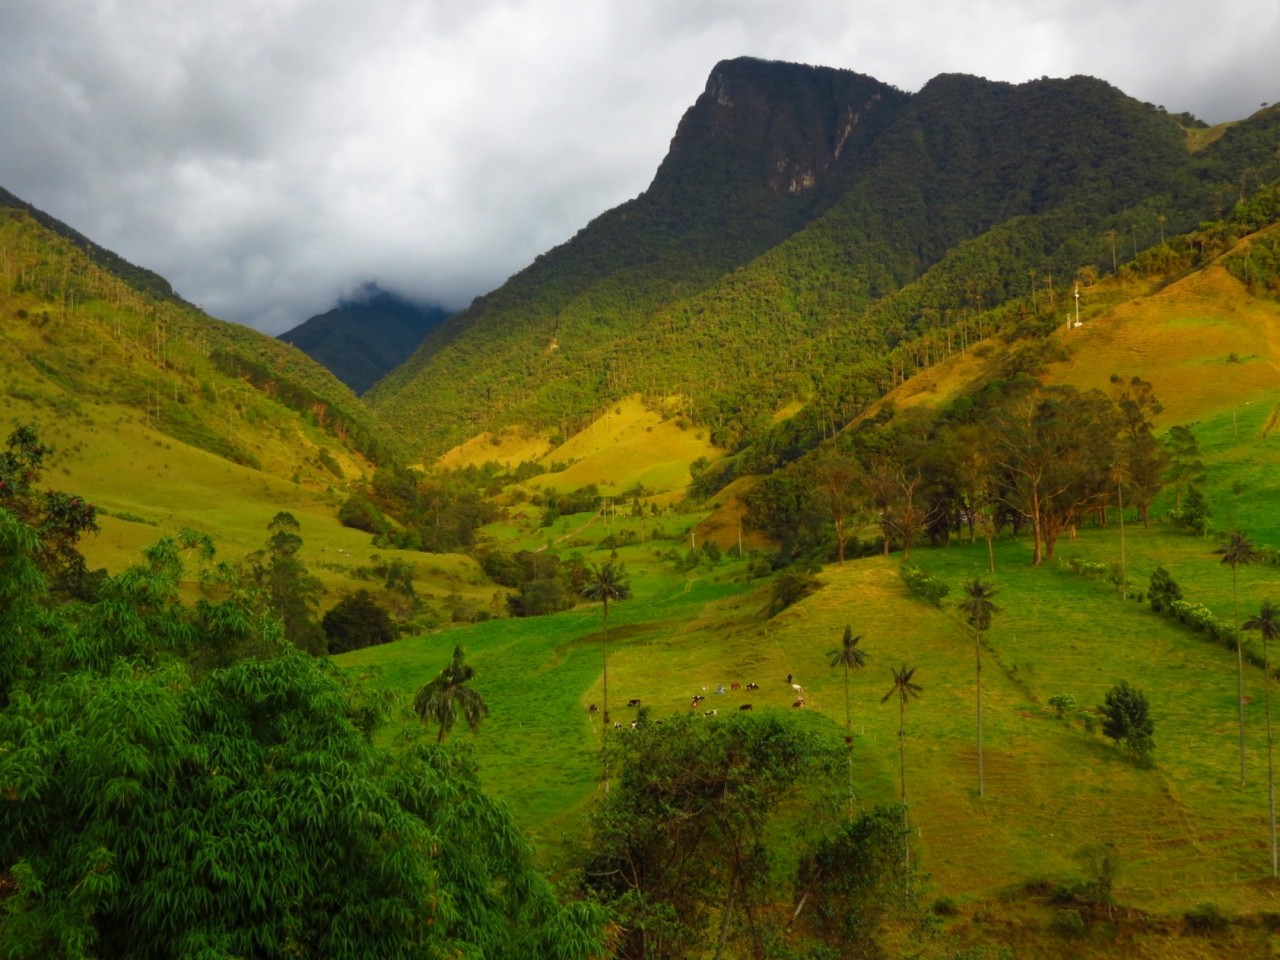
<point>855,877</point>
<point>848,656</point>
<point>1145,460</point>
<point>447,698</point>
<point>837,489</point>
<point>1185,467</point>
<point>1238,551</point>
<point>978,609</point>
<point>790,586</point>
<point>287,585</point>
<point>357,621</point>
<point>360,513</point>
<point>1163,590</point>
<point>1195,515</point>
<point>1053,444</point>
<point>151,809</point>
<point>1126,717</point>
<point>679,848</point>
<point>1267,623</point>
<point>59,519</point>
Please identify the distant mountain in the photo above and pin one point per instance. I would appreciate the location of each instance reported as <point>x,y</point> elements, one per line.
<point>365,337</point>
<point>808,228</point>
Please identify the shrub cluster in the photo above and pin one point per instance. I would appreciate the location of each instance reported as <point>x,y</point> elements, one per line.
<point>923,585</point>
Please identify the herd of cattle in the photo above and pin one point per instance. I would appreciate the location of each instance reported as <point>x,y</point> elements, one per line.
<point>696,700</point>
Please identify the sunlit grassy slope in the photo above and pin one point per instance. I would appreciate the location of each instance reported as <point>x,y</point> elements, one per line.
<point>166,418</point>
<point>631,443</point>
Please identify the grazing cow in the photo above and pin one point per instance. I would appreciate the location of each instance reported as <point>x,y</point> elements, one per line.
<point>788,678</point>
<point>720,689</point>
<point>617,724</point>
<point>593,709</point>
<point>797,688</point>
<point>634,724</point>
<point>753,686</point>
<point>735,685</point>
<point>698,698</point>
<point>799,703</point>
<point>634,702</point>
<point>711,712</point>
<point>745,706</point>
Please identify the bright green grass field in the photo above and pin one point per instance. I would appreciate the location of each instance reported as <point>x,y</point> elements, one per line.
<point>1185,831</point>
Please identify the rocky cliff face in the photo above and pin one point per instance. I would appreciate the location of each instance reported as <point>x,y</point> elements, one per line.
<point>787,128</point>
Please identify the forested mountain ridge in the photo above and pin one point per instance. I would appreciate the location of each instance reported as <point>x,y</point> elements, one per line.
<point>957,196</point>
<point>763,149</point>
<point>365,337</point>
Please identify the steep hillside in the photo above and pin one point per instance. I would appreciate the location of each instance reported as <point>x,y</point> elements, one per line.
<point>85,331</point>
<point>365,337</point>
<point>956,198</point>
<point>161,415</point>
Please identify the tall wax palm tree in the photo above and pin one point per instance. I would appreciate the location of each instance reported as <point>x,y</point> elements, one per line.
<point>447,697</point>
<point>605,583</point>
<point>1239,551</point>
<point>904,689</point>
<point>848,655</point>
<point>1267,623</point>
<point>978,611</point>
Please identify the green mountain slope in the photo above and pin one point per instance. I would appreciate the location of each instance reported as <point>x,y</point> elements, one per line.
<point>77,330</point>
<point>938,203</point>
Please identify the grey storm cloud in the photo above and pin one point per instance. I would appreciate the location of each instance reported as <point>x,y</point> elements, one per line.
<point>270,156</point>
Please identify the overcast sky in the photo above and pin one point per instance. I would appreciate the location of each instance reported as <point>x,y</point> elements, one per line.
<point>270,156</point>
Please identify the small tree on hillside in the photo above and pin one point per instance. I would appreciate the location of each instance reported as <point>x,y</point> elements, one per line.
<point>1185,467</point>
<point>58,519</point>
<point>1126,718</point>
<point>290,590</point>
<point>447,698</point>
<point>837,488</point>
<point>357,621</point>
<point>1162,591</point>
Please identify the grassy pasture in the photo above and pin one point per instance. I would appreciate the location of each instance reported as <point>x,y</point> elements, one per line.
<point>151,485</point>
<point>1185,831</point>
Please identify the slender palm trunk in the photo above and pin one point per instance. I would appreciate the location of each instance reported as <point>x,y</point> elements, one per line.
<point>1124,584</point>
<point>604,732</point>
<point>848,738</point>
<point>1235,607</point>
<point>977,654</point>
<point>902,751</point>
<point>1271,777</point>
<point>902,775</point>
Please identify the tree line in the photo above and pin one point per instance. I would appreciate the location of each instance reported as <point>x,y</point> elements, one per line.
<point>1015,455</point>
